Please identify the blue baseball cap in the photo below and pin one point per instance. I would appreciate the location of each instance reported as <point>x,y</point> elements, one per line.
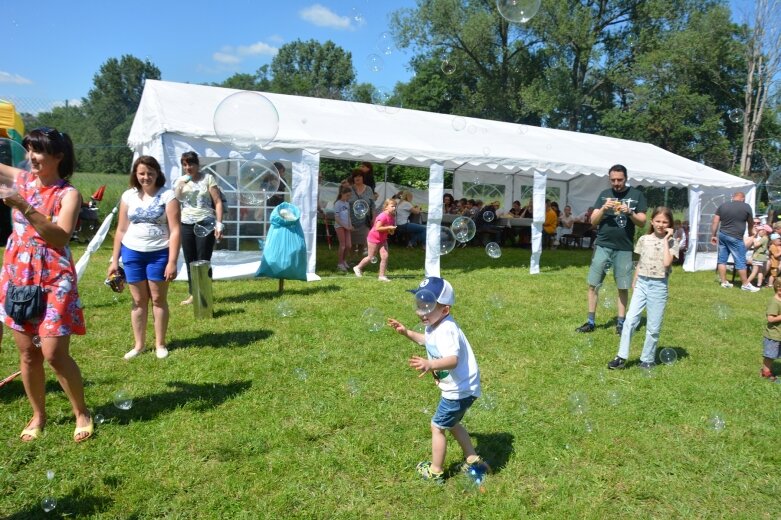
<point>439,287</point>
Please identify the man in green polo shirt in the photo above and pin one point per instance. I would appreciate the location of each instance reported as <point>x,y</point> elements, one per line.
<point>617,211</point>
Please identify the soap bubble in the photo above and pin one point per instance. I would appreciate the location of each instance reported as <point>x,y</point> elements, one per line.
<point>577,356</point>
<point>487,401</point>
<point>419,327</point>
<point>385,43</point>
<point>37,341</point>
<point>122,399</point>
<point>258,179</point>
<point>668,355</point>
<point>716,422</point>
<point>14,154</point>
<point>588,427</point>
<point>373,319</point>
<point>425,301</point>
<point>245,120</point>
<point>360,208</point>
<point>261,243</point>
<point>357,15</point>
<point>374,62</point>
<point>447,67</point>
<point>463,228</point>
<point>773,187</point>
<point>613,397</point>
<point>374,259</point>
<point>489,216</point>
<point>518,11</point>
<point>49,474</point>
<point>447,240</point>
<point>578,403</point>
<point>474,479</point>
<point>459,123</point>
<point>496,301</point>
<point>285,309</point>
<point>722,310</point>
<point>301,374</point>
<point>48,504</point>
<point>735,115</point>
<point>204,229</point>
<point>493,250</point>
<point>99,419</point>
<point>353,387</point>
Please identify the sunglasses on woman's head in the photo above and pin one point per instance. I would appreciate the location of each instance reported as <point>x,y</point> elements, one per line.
<point>49,132</point>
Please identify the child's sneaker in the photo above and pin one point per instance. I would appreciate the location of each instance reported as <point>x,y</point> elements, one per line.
<point>477,463</point>
<point>424,470</point>
<point>617,364</point>
<point>357,271</point>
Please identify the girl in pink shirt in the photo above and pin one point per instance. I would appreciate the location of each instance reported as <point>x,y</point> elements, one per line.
<point>384,225</point>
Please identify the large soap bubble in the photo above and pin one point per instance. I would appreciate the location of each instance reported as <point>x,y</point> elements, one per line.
<point>518,11</point>
<point>258,179</point>
<point>246,120</point>
<point>463,228</point>
<point>773,186</point>
<point>493,250</point>
<point>447,240</point>
<point>425,301</point>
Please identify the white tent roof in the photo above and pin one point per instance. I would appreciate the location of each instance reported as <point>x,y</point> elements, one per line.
<point>359,131</point>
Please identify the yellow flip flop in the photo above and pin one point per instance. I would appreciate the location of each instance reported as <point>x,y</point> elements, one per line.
<point>89,429</point>
<point>33,433</point>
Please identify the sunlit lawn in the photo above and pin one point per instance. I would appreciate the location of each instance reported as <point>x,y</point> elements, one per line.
<point>254,415</point>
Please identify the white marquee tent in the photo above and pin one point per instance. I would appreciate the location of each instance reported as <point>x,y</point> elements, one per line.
<point>174,117</point>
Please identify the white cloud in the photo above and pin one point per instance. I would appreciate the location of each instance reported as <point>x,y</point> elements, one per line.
<point>7,77</point>
<point>225,57</point>
<point>276,38</point>
<point>257,48</point>
<point>230,55</point>
<point>323,17</point>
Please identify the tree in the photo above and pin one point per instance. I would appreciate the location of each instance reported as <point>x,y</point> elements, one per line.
<point>679,86</point>
<point>764,64</point>
<point>110,107</point>
<point>312,69</point>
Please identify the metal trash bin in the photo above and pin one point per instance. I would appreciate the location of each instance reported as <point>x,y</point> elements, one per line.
<point>202,289</point>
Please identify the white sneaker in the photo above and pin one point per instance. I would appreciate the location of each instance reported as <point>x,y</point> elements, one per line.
<point>357,271</point>
<point>161,352</point>
<point>726,285</point>
<point>133,353</point>
<point>749,288</point>
<point>383,278</point>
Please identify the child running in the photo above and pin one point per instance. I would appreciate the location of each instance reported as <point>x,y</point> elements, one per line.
<point>377,239</point>
<point>657,250</point>
<point>450,360</point>
<point>772,340</point>
<point>342,225</point>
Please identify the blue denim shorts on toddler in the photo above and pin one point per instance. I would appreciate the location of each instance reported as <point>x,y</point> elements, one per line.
<point>450,412</point>
<point>772,348</point>
<point>144,265</point>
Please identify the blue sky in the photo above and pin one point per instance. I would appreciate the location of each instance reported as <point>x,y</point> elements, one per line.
<point>61,45</point>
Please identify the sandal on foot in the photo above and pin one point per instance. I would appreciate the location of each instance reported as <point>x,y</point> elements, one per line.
<point>33,432</point>
<point>89,429</point>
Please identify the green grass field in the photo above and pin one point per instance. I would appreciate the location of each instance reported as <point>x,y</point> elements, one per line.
<point>313,416</point>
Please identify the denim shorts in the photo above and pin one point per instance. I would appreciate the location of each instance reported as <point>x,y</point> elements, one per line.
<point>620,261</point>
<point>772,348</point>
<point>450,412</point>
<point>144,265</point>
<point>734,246</point>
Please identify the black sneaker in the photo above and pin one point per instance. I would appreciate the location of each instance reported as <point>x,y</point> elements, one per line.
<point>619,328</point>
<point>617,363</point>
<point>586,327</point>
<point>645,365</point>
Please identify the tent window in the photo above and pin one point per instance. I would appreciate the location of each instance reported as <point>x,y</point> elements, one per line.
<point>247,213</point>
